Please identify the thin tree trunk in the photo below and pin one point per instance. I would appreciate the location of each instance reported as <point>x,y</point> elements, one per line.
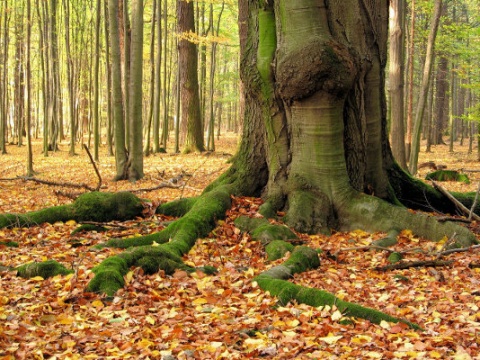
<point>117,98</point>
<point>28,117</point>
<point>427,70</point>
<point>135,159</point>
<point>157,76</point>
<point>408,145</point>
<point>397,73</point>
<point>96,84</point>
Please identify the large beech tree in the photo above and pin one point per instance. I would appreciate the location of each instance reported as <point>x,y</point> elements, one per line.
<point>315,141</point>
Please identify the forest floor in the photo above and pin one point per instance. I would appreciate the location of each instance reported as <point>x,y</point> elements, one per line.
<point>222,316</point>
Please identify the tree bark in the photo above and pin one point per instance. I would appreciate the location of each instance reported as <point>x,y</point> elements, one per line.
<point>315,118</point>
<point>427,70</point>
<point>396,78</point>
<point>135,159</point>
<point>117,97</point>
<point>188,63</point>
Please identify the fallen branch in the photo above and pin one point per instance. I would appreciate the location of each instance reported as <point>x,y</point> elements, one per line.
<point>457,203</point>
<point>54,183</point>
<point>94,166</point>
<point>465,249</point>
<point>406,265</point>
<point>160,186</point>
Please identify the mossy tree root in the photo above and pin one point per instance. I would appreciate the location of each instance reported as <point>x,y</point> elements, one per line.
<point>275,281</point>
<point>172,243</point>
<point>43,269</point>
<point>93,206</point>
<point>372,214</point>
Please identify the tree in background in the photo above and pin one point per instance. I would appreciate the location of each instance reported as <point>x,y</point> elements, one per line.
<point>191,119</point>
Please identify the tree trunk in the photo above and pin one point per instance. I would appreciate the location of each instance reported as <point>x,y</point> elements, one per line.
<point>396,78</point>
<point>188,63</point>
<point>117,98</point>
<point>315,142</point>
<point>135,116</point>
<point>427,70</point>
<point>96,84</point>
<point>440,101</point>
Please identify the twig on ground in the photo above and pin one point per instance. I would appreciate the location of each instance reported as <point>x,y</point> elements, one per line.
<point>94,166</point>
<point>457,203</point>
<point>410,264</point>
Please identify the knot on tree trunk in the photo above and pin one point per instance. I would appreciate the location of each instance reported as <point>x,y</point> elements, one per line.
<point>318,65</point>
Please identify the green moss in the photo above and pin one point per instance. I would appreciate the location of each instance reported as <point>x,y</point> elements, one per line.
<point>267,45</point>
<point>51,215</point>
<point>302,259</point>
<point>308,212</point>
<point>394,257</point>
<point>267,233</point>
<point>268,210</point>
<point>389,240</point>
<point>106,282</point>
<point>176,208</point>
<point>88,228</point>
<point>9,243</point>
<point>44,269</point>
<point>448,175</point>
<point>103,207</point>
<point>277,249</point>
<point>93,206</point>
<point>116,263</point>
<point>248,224</point>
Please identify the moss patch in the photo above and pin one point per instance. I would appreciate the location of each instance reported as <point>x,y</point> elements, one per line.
<point>94,206</point>
<point>267,233</point>
<point>448,175</point>
<point>277,249</point>
<point>248,224</point>
<point>43,269</point>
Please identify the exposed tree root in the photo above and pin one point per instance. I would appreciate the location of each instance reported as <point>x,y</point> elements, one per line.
<point>372,214</point>
<point>168,246</point>
<point>43,269</point>
<point>94,206</point>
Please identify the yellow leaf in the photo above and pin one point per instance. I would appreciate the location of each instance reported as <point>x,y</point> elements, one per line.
<point>337,315</point>
<point>97,304</point>
<point>331,339</point>
<point>71,223</point>
<point>293,323</point>
<point>199,301</point>
<point>155,244</point>
<point>37,278</point>
<point>435,354</point>
<point>65,320</point>
<point>150,320</point>
<point>385,325</point>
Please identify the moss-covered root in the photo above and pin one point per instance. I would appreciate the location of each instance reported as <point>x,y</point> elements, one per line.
<point>94,206</point>
<point>372,214</point>
<point>303,258</point>
<point>277,249</point>
<point>183,233</point>
<point>43,269</point>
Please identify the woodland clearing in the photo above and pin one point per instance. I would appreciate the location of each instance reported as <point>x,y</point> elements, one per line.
<point>226,315</point>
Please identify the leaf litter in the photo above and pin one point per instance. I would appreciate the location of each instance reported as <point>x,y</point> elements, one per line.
<point>226,315</point>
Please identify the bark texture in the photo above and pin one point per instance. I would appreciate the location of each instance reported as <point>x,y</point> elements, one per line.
<point>314,73</point>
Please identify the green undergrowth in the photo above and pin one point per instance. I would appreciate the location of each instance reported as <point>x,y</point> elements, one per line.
<point>92,206</point>
<point>163,250</point>
<point>43,269</point>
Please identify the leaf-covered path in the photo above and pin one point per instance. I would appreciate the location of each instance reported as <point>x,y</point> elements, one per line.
<point>224,316</point>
